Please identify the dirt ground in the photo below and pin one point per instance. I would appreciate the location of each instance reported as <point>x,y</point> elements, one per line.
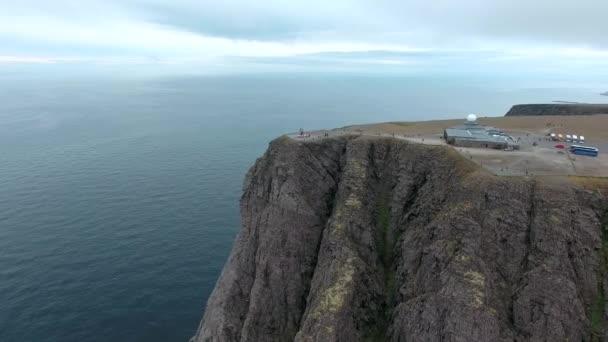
<point>537,156</point>
<point>593,127</point>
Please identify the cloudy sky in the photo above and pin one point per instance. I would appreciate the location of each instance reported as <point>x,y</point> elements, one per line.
<point>539,33</point>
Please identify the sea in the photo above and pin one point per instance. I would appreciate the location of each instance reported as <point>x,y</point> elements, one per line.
<point>119,195</point>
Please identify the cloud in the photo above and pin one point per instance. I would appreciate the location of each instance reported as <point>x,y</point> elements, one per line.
<point>441,31</point>
<point>439,23</point>
<point>125,31</point>
<point>18,59</point>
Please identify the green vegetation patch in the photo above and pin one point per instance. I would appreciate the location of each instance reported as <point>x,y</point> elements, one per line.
<point>386,241</point>
<point>385,244</point>
<point>386,250</point>
<point>599,184</point>
<point>461,165</point>
<point>284,139</point>
<point>597,317</point>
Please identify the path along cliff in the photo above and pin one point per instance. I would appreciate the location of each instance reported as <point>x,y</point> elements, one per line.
<point>377,239</point>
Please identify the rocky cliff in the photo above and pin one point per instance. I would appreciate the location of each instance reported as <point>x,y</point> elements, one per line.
<point>558,109</point>
<point>374,239</point>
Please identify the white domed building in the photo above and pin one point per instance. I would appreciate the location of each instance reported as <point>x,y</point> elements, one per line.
<point>472,134</point>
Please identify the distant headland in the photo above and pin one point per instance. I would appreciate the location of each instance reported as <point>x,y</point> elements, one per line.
<point>605,94</point>
<point>558,109</point>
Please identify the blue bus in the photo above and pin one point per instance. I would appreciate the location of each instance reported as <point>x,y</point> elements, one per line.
<point>584,150</point>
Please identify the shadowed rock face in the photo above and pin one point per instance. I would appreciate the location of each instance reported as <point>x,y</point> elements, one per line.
<point>558,109</point>
<point>363,239</point>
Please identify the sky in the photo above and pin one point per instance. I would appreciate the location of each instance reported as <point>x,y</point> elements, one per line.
<point>541,35</point>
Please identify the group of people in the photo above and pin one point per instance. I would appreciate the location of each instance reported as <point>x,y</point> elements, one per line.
<point>302,135</point>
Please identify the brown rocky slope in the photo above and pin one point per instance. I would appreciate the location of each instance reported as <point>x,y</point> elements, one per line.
<point>374,239</point>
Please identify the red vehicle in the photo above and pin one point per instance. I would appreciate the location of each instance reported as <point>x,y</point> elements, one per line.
<point>560,146</point>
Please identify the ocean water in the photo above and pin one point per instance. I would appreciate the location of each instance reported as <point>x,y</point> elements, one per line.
<point>119,196</point>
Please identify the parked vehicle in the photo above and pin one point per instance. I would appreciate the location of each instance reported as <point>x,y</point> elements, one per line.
<point>584,150</point>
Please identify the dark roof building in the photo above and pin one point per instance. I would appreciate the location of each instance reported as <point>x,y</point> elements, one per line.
<point>472,134</point>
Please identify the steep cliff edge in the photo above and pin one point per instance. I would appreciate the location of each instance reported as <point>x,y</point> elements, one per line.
<point>558,109</point>
<point>373,239</point>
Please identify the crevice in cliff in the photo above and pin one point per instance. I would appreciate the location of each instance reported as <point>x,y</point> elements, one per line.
<point>598,306</point>
<point>380,185</point>
<point>525,263</point>
<point>385,249</point>
<point>397,210</point>
<point>410,200</point>
<point>572,257</point>
<point>326,168</point>
<point>330,199</point>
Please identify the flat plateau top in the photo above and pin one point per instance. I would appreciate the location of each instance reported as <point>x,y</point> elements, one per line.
<point>593,127</point>
<point>540,160</point>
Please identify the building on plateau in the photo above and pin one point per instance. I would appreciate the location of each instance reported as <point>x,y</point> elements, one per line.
<point>472,134</point>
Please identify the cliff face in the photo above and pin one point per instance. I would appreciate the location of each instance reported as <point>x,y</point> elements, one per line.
<point>558,109</point>
<point>363,239</point>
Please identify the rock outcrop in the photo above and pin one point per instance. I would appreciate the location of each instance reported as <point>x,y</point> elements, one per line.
<point>377,239</point>
<point>558,109</point>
